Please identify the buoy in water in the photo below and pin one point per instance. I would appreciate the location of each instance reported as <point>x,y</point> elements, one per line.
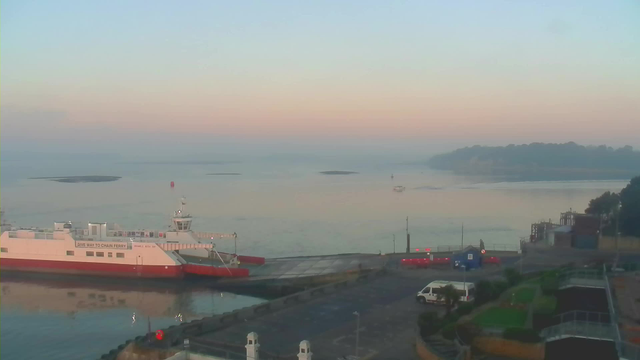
<point>172,184</point>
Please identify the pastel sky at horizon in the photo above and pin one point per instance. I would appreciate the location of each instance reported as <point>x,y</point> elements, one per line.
<point>487,72</point>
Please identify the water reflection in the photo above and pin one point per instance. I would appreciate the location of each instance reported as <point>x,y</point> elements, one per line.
<point>79,318</point>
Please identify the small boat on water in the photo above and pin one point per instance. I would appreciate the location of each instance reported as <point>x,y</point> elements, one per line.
<point>398,188</point>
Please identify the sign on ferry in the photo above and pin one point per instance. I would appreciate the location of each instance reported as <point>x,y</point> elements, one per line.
<point>101,245</point>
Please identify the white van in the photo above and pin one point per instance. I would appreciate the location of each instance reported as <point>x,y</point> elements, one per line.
<point>430,292</point>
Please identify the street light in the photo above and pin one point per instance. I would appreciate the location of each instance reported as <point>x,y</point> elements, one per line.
<point>357,314</point>
<point>394,243</point>
<point>464,280</point>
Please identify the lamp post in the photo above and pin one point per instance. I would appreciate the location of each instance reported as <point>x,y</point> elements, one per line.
<point>464,279</point>
<point>394,243</point>
<point>617,232</point>
<point>186,348</point>
<point>357,314</point>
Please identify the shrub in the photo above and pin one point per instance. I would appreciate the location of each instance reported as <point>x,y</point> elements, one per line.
<point>452,317</point>
<point>467,331</point>
<point>449,331</point>
<point>545,305</point>
<point>513,276</point>
<point>522,335</point>
<point>429,323</point>
<point>484,292</point>
<point>549,285</point>
<point>498,288</point>
<point>464,309</point>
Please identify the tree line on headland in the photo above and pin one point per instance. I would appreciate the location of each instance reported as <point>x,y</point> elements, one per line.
<point>557,161</point>
<point>623,207</point>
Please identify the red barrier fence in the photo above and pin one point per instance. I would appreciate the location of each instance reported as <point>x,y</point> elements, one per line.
<point>255,260</point>
<point>425,262</point>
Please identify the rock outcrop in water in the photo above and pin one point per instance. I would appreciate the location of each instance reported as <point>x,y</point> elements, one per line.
<point>337,172</point>
<point>78,179</point>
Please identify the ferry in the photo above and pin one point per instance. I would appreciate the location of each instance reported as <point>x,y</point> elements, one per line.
<point>107,250</point>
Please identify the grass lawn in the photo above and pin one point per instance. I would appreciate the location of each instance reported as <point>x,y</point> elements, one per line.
<point>525,295</point>
<point>501,317</point>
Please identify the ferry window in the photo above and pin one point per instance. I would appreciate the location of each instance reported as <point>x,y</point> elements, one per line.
<point>94,230</point>
<point>110,254</point>
<point>70,252</point>
<point>120,255</point>
<point>71,294</point>
<point>4,250</point>
<point>100,254</point>
<point>89,253</point>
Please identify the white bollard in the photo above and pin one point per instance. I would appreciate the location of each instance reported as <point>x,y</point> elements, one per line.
<point>305,350</point>
<point>252,346</point>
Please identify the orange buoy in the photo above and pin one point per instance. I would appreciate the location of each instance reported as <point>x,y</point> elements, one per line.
<point>172,184</point>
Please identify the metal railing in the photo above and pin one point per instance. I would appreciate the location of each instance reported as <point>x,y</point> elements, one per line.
<point>612,311</point>
<point>587,316</point>
<point>628,351</point>
<point>488,247</point>
<point>201,348</point>
<point>582,278</point>
<point>584,329</point>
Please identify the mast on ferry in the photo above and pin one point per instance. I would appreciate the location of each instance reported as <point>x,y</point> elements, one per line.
<point>181,219</point>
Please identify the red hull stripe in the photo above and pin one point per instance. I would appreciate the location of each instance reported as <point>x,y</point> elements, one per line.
<point>215,271</point>
<point>87,268</point>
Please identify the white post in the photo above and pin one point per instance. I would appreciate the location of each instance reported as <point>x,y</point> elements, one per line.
<point>305,350</point>
<point>186,349</point>
<point>252,346</point>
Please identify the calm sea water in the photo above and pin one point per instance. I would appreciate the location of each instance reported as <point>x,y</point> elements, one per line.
<point>288,208</point>
<point>76,318</point>
<point>278,208</point>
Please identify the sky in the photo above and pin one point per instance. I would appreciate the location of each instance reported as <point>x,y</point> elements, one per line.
<point>134,76</point>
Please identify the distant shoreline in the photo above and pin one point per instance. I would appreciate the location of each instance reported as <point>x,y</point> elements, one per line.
<point>78,179</point>
<point>539,162</point>
<point>225,174</point>
<point>337,172</point>
<point>545,174</point>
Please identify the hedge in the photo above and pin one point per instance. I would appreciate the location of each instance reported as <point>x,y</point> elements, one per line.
<point>522,335</point>
<point>464,309</point>
<point>449,331</point>
<point>545,305</point>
